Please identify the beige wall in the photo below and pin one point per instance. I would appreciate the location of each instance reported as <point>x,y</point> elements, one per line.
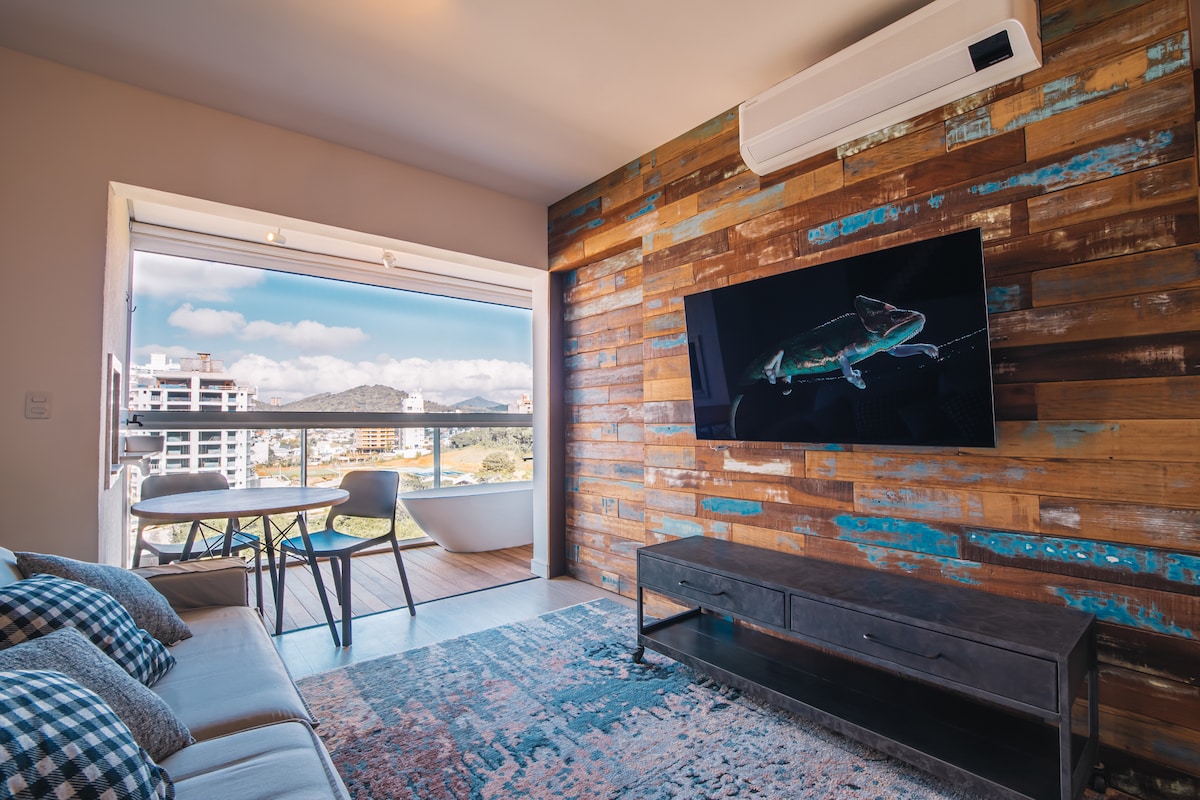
<point>66,135</point>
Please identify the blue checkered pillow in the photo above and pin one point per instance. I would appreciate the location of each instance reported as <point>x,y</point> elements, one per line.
<point>41,604</point>
<point>58,739</point>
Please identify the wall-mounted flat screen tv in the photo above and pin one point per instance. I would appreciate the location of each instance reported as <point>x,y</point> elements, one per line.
<point>887,348</point>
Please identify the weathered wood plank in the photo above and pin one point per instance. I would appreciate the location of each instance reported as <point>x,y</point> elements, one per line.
<point>668,389</point>
<point>780,463</point>
<point>1161,103</point>
<point>620,489</point>
<point>1151,738</point>
<point>1168,657</point>
<point>1167,184</point>
<point>1165,483</point>
<point>1161,356</point>
<point>1121,440</point>
<point>917,146</point>
<point>683,503</point>
<point>671,457</point>
<point>1162,527</point>
<point>622,412</point>
<point>1014,512</point>
<point>604,376</point>
<point>804,187</point>
<point>1063,17</point>
<point>1109,562</point>
<point>1104,27</point>
<point>603,338</point>
<point>1139,273</point>
<point>608,525</point>
<point>663,523</point>
<point>769,538</point>
<point>1150,398</point>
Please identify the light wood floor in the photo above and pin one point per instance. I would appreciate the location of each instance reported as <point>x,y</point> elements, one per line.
<point>455,593</point>
<point>433,573</point>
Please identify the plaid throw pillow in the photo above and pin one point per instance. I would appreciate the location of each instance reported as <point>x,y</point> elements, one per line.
<point>36,606</point>
<point>58,739</point>
<point>149,609</point>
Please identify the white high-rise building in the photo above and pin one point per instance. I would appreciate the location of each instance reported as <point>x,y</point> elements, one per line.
<point>195,384</point>
<point>412,438</point>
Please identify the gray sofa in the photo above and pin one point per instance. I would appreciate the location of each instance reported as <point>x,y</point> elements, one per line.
<point>253,732</point>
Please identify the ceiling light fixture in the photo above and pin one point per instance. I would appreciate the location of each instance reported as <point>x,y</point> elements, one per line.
<point>389,259</point>
<point>276,237</point>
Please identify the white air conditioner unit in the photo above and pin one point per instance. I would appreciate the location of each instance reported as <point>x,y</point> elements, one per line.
<point>941,53</point>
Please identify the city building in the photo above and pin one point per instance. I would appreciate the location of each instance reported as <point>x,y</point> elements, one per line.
<point>195,384</point>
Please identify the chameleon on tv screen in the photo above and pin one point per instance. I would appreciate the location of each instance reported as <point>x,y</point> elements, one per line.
<point>887,348</point>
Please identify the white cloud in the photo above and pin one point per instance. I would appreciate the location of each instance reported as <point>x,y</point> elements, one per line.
<point>171,351</point>
<point>305,334</point>
<point>157,275</point>
<point>443,381</point>
<point>206,321</point>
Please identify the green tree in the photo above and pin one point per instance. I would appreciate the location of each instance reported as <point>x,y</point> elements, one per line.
<point>496,466</point>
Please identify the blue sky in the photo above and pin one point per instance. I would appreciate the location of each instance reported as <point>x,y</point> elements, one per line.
<point>292,336</point>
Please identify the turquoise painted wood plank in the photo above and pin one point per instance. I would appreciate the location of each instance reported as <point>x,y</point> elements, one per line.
<point>1120,563</point>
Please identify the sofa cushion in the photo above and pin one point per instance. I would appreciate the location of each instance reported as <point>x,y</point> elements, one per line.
<point>36,606</point>
<point>58,739</point>
<point>284,761</point>
<point>149,609</point>
<point>228,676</point>
<point>152,722</point>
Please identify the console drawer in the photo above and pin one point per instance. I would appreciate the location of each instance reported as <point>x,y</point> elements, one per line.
<point>1001,672</point>
<point>713,591</point>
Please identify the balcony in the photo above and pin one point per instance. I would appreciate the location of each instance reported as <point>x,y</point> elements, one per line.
<point>475,448</point>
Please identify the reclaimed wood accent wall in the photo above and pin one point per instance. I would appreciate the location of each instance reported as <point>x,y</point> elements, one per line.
<point>1083,178</point>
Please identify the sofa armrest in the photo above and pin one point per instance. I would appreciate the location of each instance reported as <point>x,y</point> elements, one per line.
<point>197,584</point>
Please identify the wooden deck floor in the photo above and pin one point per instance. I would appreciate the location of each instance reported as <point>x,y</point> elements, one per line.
<point>432,572</point>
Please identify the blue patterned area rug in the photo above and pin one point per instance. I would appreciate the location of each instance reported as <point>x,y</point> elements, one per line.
<point>554,707</point>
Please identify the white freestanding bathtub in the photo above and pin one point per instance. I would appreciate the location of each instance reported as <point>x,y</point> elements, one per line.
<point>469,519</point>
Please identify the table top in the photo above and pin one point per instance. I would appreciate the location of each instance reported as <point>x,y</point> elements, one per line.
<point>237,502</point>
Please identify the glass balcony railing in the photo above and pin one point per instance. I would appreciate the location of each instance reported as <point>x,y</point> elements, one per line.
<point>456,449</point>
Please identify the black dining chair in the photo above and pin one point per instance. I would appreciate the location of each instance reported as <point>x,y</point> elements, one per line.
<point>199,543</point>
<point>372,496</point>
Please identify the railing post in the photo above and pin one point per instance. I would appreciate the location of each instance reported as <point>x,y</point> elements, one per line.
<point>304,456</point>
<point>437,458</point>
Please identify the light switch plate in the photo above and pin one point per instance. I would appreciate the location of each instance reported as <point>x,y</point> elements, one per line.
<point>37,405</point>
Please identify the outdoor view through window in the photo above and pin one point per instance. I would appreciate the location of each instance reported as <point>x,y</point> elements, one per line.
<point>217,337</point>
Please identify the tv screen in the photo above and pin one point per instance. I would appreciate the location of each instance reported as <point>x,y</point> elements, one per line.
<point>886,348</point>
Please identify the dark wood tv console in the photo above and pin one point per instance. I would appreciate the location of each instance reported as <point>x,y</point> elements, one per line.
<point>969,686</point>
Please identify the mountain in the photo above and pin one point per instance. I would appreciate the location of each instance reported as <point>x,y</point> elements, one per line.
<point>367,399</point>
<point>479,404</point>
<point>360,398</point>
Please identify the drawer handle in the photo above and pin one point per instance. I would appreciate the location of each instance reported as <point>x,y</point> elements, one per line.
<point>871,638</point>
<point>687,585</point>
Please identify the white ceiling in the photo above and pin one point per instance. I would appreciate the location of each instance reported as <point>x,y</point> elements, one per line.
<point>532,98</point>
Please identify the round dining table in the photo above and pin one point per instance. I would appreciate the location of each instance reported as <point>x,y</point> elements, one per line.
<point>235,505</point>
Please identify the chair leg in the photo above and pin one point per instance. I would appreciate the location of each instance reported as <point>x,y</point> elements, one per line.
<point>337,578</point>
<point>412,609</point>
<point>279,592</point>
<point>258,581</point>
<point>343,588</point>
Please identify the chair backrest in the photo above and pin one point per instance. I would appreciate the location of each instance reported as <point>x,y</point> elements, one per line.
<point>372,495</point>
<point>178,483</point>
